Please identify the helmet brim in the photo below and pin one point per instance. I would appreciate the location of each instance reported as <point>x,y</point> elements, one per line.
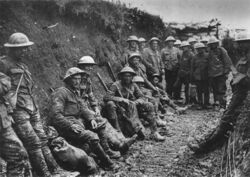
<point>86,63</point>
<point>170,40</point>
<point>81,73</point>
<point>130,40</point>
<point>27,44</point>
<point>121,73</point>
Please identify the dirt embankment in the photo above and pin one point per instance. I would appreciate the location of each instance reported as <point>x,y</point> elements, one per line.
<point>96,28</point>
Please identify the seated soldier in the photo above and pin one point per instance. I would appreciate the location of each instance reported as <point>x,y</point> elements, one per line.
<point>115,138</point>
<point>11,148</point>
<point>73,120</point>
<point>124,93</point>
<point>163,96</point>
<point>148,97</point>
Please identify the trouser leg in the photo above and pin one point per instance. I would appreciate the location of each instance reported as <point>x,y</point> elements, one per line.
<point>206,92</point>
<point>186,83</point>
<point>31,141</point>
<point>37,125</point>
<point>221,90</point>
<point>13,152</point>
<point>112,115</point>
<point>199,91</point>
<point>169,82</point>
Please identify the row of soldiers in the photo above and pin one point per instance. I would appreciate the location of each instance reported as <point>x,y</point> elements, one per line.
<point>203,63</point>
<point>79,137</point>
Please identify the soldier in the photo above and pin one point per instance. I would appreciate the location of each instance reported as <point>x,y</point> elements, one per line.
<point>87,95</point>
<point>199,75</point>
<point>142,44</point>
<point>192,41</point>
<point>240,88</point>
<point>219,64</point>
<point>133,43</point>
<point>28,124</point>
<point>70,116</point>
<point>148,97</point>
<point>170,57</point>
<point>11,148</point>
<point>204,40</point>
<point>134,62</point>
<point>184,69</point>
<point>177,44</point>
<point>152,58</point>
<point>125,93</point>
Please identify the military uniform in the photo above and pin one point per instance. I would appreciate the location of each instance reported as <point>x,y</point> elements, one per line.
<point>184,73</point>
<point>11,148</point>
<point>28,124</point>
<point>170,58</point>
<point>199,75</point>
<point>133,93</point>
<point>72,118</point>
<point>218,67</point>
<point>152,60</point>
<point>126,55</point>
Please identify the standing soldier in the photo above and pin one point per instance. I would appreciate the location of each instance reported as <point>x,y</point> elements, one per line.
<point>184,70</point>
<point>11,148</point>
<point>192,41</point>
<point>152,58</point>
<point>133,43</point>
<point>219,64</point>
<point>71,116</point>
<point>199,75</point>
<point>28,124</point>
<point>170,56</point>
<point>142,44</point>
<point>125,93</point>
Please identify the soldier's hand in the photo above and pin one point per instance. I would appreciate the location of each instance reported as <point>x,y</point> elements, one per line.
<point>126,101</point>
<point>94,124</point>
<point>76,128</point>
<point>97,111</point>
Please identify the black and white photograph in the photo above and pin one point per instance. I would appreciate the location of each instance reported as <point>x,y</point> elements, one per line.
<point>124,88</point>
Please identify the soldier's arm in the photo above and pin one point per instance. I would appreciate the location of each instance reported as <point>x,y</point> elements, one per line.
<point>146,62</point>
<point>57,109</point>
<point>111,94</point>
<point>228,65</point>
<point>138,94</point>
<point>91,98</point>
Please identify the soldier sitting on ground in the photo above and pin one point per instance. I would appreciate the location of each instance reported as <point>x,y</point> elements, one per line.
<point>11,148</point>
<point>115,138</point>
<point>124,93</point>
<point>75,122</point>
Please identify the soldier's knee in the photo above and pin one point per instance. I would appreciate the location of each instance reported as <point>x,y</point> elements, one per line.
<point>92,137</point>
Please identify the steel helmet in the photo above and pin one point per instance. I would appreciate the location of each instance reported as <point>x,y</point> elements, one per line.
<point>177,42</point>
<point>73,71</point>
<point>141,39</point>
<point>191,39</point>
<point>242,37</point>
<point>212,40</point>
<point>204,39</point>
<point>88,60</point>
<point>138,79</point>
<point>135,54</point>
<point>18,40</point>
<point>184,44</point>
<point>170,38</point>
<point>132,38</point>
<point>127,69</point>
<point>154,39</point>
<point>5,84</point>
<point>158,76</point>
<point>199,45</point>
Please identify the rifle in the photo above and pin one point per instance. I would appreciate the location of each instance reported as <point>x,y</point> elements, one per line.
<point>111,71</point>
<point>102,82</point>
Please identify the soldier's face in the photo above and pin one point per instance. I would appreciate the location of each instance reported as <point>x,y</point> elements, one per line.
<point>213,46</point>
<point>85,77</point>
<point>140,84</point>
<point>170,43</point>
<point>133,44</point>
<point>200,50</point>
<point>156,80</point>
<point>142,45</point>
<point>127,78</point>
<point>135,61</point>
<point>76,81</point>
<point>185,48</point>
<point>19,52</point>
<point>154,45</point>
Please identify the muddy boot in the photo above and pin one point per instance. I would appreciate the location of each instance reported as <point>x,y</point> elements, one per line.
<point>160,122</point>
<point>51,163</point>
<point>106,163</point>
<point>112,154</point>
<point>125,146</point>
<point>39,164</point>
<point>157,137</point>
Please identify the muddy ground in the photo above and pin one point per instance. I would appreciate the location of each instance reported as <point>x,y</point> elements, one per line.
<point>172,158</point>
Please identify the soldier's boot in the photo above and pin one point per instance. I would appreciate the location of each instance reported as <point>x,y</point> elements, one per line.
<point>160,122</point>
<point>124,147</point>
<point>106,163</point>
<point>157,137</point>
<point>140,134</point>
<point>112,154</point>
<point>51,162</point>
<point>39,164</point>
